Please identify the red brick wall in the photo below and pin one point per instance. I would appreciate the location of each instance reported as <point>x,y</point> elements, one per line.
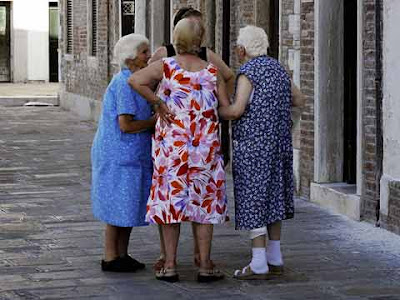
<point>307,87</point>
<point>369,188</point>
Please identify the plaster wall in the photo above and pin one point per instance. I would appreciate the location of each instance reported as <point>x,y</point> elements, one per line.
<point>31,40</point>
<point>391,100</point>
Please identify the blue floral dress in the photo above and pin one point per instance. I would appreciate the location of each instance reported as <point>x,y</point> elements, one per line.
<point>262,148</point>
<point>121,162</point>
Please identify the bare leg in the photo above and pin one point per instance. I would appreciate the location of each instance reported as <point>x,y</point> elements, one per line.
<point>171,237</point>
<point>274,231</point>
<point>123,241</point>
<point>196,251</point>
<point>258,242</point>
<point>111,242</point>
<point>204,233</point>
<point>162,242</point>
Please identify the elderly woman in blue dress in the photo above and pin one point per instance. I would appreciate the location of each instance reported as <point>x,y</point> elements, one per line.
<point>262,151</point>
<point>121,157</point>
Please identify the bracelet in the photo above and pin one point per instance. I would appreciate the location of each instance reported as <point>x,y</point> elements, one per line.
<point>157,104</point>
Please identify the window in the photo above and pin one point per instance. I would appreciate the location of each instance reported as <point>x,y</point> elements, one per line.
<point>69,26</point>
<point>127,17</point>
<point>93,32</point>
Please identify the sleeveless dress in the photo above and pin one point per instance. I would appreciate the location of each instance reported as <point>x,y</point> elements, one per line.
<point>262,148</point>
<point>189,179</point>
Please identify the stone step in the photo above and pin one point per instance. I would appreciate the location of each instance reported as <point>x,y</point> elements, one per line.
<point>9,101</point>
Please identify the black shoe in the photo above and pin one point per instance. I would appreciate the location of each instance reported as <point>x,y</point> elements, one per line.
<point>130,261</point>
<point>116,265</point>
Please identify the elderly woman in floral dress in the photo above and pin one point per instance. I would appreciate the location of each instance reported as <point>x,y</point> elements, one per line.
<point>189,177</point>
<point>262,152</point>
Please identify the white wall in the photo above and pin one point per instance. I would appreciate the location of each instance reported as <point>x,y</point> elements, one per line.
<point>30,51</point>
<point>391,98</point>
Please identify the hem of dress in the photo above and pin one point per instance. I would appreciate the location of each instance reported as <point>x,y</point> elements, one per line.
<point>113,223</point>
<point>286,217</point>
<point>219,221</point>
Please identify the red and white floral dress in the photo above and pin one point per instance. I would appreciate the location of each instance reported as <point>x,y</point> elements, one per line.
<point>189,179</point>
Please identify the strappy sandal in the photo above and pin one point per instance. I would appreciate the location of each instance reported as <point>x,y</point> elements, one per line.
<point>275,270</point>
<point>247,274</point>
<point>159,264</point>
<point>169,275</point>
<point>209,275</point>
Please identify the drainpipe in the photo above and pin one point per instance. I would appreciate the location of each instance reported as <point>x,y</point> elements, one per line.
<point>379,97</point>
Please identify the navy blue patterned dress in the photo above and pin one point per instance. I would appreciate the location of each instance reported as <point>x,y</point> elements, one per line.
<point>262,148</point>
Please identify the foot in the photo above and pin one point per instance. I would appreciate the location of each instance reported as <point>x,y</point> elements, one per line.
<point>116,265</point>
<point>132,262</point>
<point>167,274</point>
<point>159,264</point>
<point>276,270</point>
<point>247,274</point>
<point>209,275</point>
<point>197,261</point>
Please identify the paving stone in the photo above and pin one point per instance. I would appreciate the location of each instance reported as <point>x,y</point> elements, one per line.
<point>51,246</point>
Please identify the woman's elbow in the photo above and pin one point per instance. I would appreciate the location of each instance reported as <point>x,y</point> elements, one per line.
<point>133,82</point>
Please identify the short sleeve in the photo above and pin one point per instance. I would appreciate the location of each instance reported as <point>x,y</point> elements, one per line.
<point>126,98</point>
<point>249,70</point>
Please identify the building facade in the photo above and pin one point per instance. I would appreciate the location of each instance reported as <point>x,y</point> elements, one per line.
<point>343,54</point>
<point>29,40</point>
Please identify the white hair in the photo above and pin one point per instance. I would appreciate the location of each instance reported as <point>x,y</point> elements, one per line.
<point>127,47</point>
<point>254,40</point>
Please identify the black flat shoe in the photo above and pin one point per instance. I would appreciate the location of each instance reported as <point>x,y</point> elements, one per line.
<point>132,262</point>
<point>116,265</point>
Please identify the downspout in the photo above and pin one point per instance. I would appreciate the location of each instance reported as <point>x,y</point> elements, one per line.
<point>378,97</point>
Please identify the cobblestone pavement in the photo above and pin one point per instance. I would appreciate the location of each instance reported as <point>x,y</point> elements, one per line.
<point>50,245</point>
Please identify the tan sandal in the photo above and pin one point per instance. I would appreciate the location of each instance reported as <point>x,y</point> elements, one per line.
<point>275,270</point>
<point>247,274</point>
<point>169,275</point>
<point>209,275</point>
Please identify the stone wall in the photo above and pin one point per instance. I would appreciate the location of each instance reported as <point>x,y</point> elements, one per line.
<point>307,87</point>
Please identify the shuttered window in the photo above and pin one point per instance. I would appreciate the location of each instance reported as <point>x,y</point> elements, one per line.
<point>94,18</point>
<point>69,26</point>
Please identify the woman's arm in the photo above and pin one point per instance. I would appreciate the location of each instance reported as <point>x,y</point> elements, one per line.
<point>243,94</point>
<point>143,80</point>
<point>222,95</point>
<point>128,125</point>
<point>226,72</point>
<point>159,54</point>
<point>298,99</point>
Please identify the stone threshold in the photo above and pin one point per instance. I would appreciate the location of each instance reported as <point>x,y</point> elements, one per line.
<point>338,198</point>
<point>11,101</point>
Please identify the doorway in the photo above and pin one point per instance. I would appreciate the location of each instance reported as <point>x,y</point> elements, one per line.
<point>5,73</point>
<point>273,31</point>
<point>53,41</point>
<point>127,17</point>
<point>350,92</point>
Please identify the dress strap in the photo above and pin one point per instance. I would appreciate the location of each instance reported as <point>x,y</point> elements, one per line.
<point>170,50</point>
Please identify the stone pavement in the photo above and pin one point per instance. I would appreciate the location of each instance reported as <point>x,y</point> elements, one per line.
<point>50,245</point>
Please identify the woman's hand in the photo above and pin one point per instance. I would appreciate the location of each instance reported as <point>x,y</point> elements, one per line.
<point>162,110</point>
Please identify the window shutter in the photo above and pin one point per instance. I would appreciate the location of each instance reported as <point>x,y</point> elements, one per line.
<point>69,26</point>
<point>94,27</point>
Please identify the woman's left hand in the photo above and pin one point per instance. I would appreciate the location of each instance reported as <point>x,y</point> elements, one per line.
<point>164,113</point>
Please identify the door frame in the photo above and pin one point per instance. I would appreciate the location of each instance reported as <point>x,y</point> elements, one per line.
<point>8,5</point>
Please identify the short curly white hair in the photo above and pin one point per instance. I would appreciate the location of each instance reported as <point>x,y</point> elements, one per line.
<point>254,39</point>
<point>127,47</point>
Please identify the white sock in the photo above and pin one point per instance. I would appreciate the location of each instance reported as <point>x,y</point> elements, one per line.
<point>274,254</point>
<point>258,262</point>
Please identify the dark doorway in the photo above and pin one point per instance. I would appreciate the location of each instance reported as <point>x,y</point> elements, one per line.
<point>273,33</point>
<point>127,17</point>
<point>350,92</point>
<point>5,73</point>
<point>226,31</point>
<point>53,41</point>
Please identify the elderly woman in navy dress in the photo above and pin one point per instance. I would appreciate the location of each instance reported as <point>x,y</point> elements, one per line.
<point>262,152</point>
<point>121,157</point>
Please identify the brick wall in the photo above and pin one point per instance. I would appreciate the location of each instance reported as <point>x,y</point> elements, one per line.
<point>82,74</point>
<point>307,87</point>
<point>369,187</point>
